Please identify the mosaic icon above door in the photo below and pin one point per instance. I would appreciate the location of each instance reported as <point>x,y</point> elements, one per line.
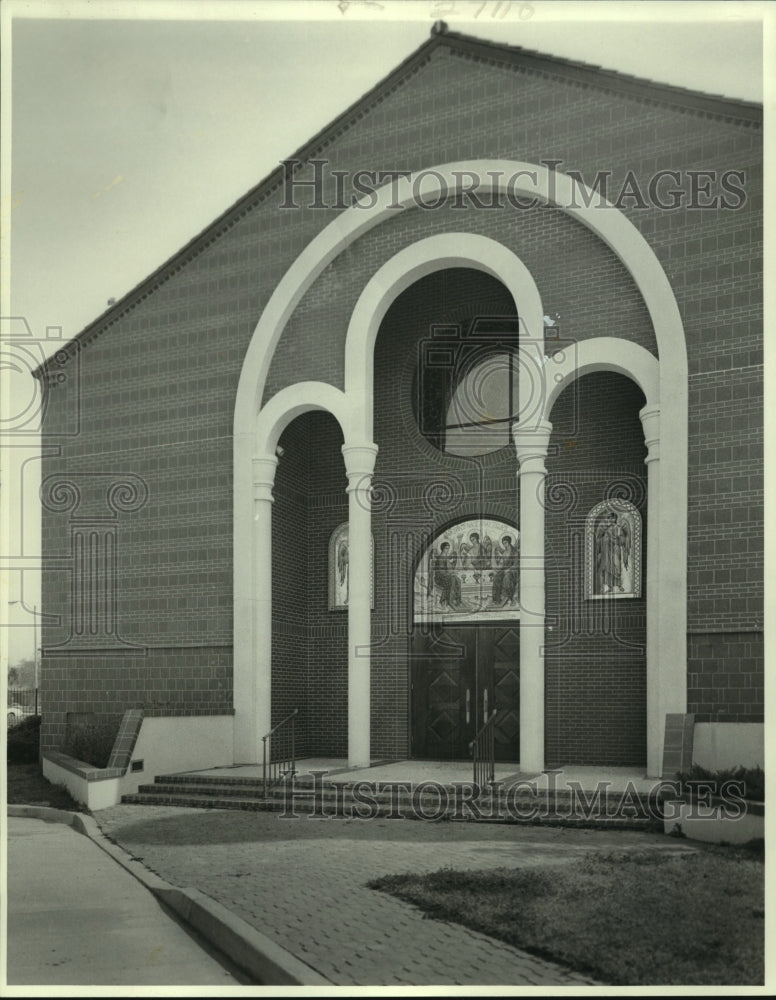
<point>469,573</point>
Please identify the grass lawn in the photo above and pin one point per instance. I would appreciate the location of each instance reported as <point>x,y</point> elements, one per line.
<point>27,786</point>
<point>646,918</point>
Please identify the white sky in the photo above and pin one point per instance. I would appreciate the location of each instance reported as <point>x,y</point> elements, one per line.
<point>130,136</point>
<point>135,124</point>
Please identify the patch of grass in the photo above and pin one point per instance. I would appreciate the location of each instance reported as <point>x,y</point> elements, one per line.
<point>28,787</point>
<point>646,918</point>
<point>23,742</point>
<point>751,779</point>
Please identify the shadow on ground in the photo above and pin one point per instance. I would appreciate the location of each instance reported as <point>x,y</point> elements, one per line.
<point>190,827</point>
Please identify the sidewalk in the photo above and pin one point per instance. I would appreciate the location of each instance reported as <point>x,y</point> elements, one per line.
<point>302,883</point>
<point>76,918</point>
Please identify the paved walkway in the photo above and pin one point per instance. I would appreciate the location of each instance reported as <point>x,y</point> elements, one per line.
<point>77,918</point>
<point>302,882</point>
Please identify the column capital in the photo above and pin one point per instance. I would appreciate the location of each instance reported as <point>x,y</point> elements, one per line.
<point>532,439</point>
<point>650,421</point>
<point>263,469</point>
<point>359,462</point>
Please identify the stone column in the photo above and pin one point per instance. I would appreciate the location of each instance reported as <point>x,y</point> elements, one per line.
<point>359,465</point>
<point>656,709</point>
<point>253,689</point>
<point>531,443</point>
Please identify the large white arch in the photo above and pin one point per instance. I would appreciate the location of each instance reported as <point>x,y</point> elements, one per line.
<point>467,179</point>
<point>482,177</point>
<point>434,253</point>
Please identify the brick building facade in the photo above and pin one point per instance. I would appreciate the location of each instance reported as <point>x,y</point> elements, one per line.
<point>206,435</point>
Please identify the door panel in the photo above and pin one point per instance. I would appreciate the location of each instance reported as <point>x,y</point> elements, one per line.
<point>457,673</point>
<point>499,668</point>
<point>443,671</point>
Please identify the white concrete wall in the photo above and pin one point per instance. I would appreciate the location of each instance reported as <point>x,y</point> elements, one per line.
<point>710,825</point>
<point>94,794</point>
<point>181,743</point>
<point>720,745</point>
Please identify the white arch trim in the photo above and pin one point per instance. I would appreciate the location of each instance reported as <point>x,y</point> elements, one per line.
<point>602,354</point>
<point>254,471</point>
<point>473,177</point>
<point>292,402</point>
<point>482,176</point>
<point>435,253</point>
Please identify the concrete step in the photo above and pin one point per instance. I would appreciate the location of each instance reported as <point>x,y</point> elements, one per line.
<point>197,802</point>
<point>199,790</point>
<point>207,779</point>
<point>391,800</point>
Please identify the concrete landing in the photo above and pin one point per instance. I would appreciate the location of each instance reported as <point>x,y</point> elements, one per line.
<point>449,772</point>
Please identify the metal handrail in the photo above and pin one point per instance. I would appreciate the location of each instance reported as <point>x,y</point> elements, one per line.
<point>285,762</point>
<point>483,751</point>
<point>281,723</point>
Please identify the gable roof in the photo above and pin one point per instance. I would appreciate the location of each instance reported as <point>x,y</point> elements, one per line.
<point>577,73</point>
<point>614,81</point>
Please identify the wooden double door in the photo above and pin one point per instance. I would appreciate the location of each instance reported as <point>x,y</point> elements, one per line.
<point>459,674</point>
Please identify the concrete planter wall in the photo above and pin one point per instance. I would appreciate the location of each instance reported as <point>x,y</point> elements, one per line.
<point>94,787</point>
<point>158,746</point>
<point>715,822</point>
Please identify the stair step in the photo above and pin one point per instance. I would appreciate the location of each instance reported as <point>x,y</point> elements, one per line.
<point>198,802</point>
<point>304,782</point>
<point>335,797</point>
<point>258,805</point>
<point>334,803</point>
<point>209,779</point>
<point>220,790</point>
<point>333,788</point>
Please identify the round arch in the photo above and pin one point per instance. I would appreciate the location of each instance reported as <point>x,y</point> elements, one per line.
<point>466,179</point>
<point>252,567</point>
<point>602,354</point>
<point>668,556</point>
<point>434,253</point>
<point>292,402</point>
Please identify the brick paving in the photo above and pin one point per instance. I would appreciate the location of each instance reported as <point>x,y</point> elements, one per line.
<point>303,883</point>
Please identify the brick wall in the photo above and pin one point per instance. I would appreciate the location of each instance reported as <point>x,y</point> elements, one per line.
<point>595,657</point>
<point>595,682</point>
<point>309,649</point>
<point>159,375</point>
<point>725,676</point>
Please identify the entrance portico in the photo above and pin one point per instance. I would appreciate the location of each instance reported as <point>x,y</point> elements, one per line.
<point>353,409</point>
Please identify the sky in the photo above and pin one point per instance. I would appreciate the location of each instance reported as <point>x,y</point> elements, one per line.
<point>130,136</point>
<point>133,125</point>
